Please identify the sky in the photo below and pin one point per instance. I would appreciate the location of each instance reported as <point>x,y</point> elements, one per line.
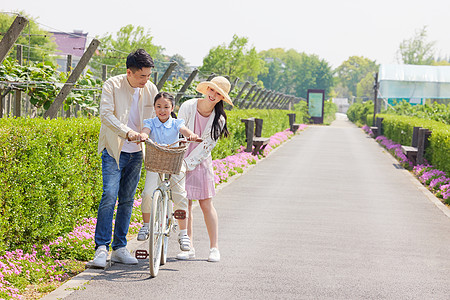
<point>333,30</point>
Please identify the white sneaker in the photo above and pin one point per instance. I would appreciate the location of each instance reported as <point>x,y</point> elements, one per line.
<point>185,255</point>
<point>185,242</point>
<point>99,260</point>
<point>122,255</point>
<point>214,255</point>
<point>142,234</point>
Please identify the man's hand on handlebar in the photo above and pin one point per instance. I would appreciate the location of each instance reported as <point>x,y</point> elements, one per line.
<point>133,136</point>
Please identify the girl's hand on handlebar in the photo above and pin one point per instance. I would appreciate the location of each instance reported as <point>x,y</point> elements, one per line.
<point>194,138</point>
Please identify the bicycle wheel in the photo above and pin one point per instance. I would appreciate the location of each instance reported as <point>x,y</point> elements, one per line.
<point>169,226</point>
<point>165,242</point>
<point>157,229</point>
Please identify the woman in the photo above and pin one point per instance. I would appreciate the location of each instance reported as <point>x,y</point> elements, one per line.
<point>205,117</point>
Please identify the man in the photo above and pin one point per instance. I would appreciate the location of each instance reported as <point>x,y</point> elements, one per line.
<point>126,101</point>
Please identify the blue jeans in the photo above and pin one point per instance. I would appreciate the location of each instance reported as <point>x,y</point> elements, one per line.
<point>117,183</point>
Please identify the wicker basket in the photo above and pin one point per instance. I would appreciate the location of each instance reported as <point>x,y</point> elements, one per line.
<point>163,159</point>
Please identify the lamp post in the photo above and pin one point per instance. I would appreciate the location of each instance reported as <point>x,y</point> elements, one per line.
<point>375,96</point>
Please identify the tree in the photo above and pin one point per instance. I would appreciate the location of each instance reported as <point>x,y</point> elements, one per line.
<point>352,71</point>
<point>114,49</point>
<point>234,60</point>
<point>294,73</point>
<point>416,50</point>
<point>340,91</point>
<point>38,43</point>
<point>364,88</point>
<point>182,70</point>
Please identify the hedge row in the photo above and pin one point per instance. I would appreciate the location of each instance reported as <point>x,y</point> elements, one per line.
<point>400,128</point>
<point>49,177</point>
<point>50,172</point>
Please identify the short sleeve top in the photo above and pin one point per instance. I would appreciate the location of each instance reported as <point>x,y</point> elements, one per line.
<point>164,133</point>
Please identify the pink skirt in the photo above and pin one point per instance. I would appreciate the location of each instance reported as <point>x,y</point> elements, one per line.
<point>200,181</point>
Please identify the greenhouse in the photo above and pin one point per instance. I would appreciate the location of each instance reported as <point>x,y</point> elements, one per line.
<point>413,83</point>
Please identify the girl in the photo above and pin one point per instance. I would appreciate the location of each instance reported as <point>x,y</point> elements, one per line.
<point>165,129</point>
<point>205,117</point>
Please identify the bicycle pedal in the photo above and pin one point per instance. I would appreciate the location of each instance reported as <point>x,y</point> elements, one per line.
<point>179,214</point>
<point>141,254</point>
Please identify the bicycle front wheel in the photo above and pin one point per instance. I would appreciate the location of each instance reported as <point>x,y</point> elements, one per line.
<point>157,231</point>
<point>169,226</point>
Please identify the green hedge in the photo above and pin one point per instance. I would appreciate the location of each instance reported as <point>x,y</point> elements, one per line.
<point>49,178</point>
<point>400,129</point>
<point>50,172</point>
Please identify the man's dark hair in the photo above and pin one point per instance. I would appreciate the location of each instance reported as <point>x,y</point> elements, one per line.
<point>138,60</point>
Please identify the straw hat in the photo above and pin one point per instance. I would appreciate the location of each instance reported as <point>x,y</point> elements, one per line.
<point>220,84</point>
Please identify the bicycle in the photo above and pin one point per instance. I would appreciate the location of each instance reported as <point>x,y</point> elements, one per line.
<point>164,160</point>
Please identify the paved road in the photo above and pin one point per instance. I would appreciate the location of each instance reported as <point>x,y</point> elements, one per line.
<point>329,215</point>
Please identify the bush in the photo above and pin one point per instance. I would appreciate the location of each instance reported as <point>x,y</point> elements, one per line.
<point>429,111</point>
<point>357,112</point>
<point>50,177</point>
<point>330,110</point>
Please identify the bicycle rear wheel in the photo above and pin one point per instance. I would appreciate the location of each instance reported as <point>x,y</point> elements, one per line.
<point>157,230</point>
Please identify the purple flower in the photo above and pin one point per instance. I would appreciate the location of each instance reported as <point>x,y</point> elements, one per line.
<point>427,176</point>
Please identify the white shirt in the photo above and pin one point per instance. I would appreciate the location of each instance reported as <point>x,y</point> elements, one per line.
<point>133,121</point>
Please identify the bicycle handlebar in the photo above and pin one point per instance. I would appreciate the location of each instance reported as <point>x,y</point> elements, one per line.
<point>185,140</point>
<point>182,140</point>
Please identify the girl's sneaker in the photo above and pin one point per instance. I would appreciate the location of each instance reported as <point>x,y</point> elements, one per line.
<point>142,234</point>
<point>185,255</point>
<point>214,255</point>
<point>185,242</point>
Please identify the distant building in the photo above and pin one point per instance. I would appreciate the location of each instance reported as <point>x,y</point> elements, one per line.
<point>73,43</point>
<point>342,104</point>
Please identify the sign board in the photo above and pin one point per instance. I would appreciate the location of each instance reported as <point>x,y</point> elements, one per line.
<point>316,101</point>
